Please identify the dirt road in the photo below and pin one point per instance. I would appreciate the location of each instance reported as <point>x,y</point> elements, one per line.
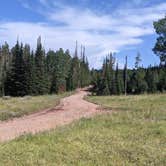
<point>71,108</point>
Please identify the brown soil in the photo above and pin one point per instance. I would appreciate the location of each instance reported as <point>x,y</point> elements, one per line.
<point>70,108</point>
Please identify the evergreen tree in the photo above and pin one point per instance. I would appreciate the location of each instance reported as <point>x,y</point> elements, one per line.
<point>125,77</point>
<point>41,78</point>
<point>111,74</point>
<point>28,69</point>
<point>24,73</point>
<point>137,60</point>
<point>75,70</point>
<point>140,80</point>
<point>150,79</point>
<point>4,66</point>
<point>132,83</point>
<point>117,81</point>
<point>16,80</point>
<point>62,67</point>
<point>162,79</point>
<point>106,79</point>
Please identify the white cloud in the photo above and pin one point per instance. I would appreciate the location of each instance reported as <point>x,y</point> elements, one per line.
<point>100,33</point>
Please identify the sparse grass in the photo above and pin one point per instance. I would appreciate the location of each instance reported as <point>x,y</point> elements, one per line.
<point>136,135</point>
<point>18,106</point>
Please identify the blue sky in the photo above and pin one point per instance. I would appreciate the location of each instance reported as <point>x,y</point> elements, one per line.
<point>124,27</point>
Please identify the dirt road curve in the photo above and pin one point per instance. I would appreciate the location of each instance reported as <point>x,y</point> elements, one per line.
<point>71,108</point>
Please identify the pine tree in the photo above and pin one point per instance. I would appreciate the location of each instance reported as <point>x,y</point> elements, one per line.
<point>111,74</point>
<point>84,69</point>
<point>41,78</point>
<point>28,68</point>
<point>32,75</point>
<point>106,78</point>
<point>62,68</point>
<point>162,79</point>
<point>4,66</point>
<point>24,73</point>
<point>132,83</point>
<point>137,60</point>
<point>117,81</point>
<point>125,77</point>
<point>141,83</point>
<point>151,81</point>
<point>16,81</point>
<point>75,70</point>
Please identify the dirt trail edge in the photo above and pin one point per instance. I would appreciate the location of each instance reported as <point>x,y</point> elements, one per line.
<point>71,108</point>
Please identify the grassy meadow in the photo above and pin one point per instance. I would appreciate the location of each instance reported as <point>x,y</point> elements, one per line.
<point>11,107</point>
<point>140,107</point>
<point>135,134</point>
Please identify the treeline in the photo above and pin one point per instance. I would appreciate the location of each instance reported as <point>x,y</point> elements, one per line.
<point>111,80</point>
<point>27,72</point>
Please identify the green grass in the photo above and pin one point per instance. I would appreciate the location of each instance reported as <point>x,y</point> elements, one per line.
<point>19,106</point>
<point>131,102</point>
<point>136,135</point>
<point>150,107</point>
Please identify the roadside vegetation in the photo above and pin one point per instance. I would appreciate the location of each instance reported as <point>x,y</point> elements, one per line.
<point>151,107</point>
<point>133,135</point>
<point>11,107</point>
